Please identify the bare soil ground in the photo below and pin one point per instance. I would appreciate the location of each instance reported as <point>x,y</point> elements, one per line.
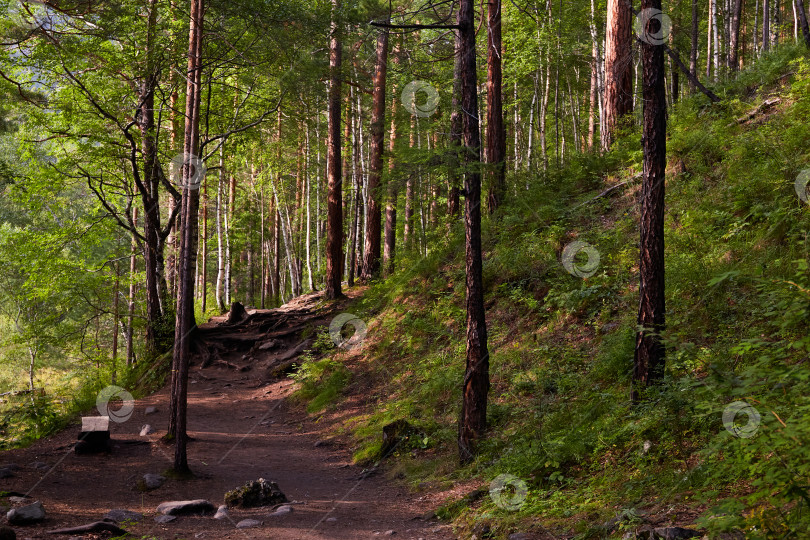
<point>244,427</point>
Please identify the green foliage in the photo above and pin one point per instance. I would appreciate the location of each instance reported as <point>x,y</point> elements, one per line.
<point>321,382</point>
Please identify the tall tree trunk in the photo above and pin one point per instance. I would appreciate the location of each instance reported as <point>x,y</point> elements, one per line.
<point>618,68</point>
<point>310,282</point>
<point>734,38</point>
<point>407,225</point>
<point>371,258</point>
<point>220,215</point>
<point>496,131</point>
<point>693,49</point>
<point>648,363</point>
<point>716,37</point>
<point>133,266</point>
<point>185,295</point>
<point>475,387</point>
<point>390,248</point>
<point>803,22</point>
<point>334,227</point>
<point>453,197</point>
<point>766,25</point>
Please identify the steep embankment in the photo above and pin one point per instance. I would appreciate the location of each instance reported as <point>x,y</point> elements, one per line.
<point>561,342</point>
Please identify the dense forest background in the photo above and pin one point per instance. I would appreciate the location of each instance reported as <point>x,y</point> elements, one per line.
<point>250,151</point>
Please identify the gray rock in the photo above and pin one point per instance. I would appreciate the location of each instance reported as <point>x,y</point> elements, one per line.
<point>248,523</point>
<point>119,515</point>
<point>675,533</point>
<point>331,520</point>
<point>31,513</point>
<point>254,494</point>
<point>147,430</point>
<point>222,512</point>
<point>391,532</point>
<point>150,410</point>
<point>182,508</point>
<point>153,481</point>
<point>7,533</point>
<point>665,533</point>
<point>282,511</point>
<point>165,519</point>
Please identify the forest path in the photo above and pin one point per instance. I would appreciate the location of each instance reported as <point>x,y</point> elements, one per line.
<point>244,427</point>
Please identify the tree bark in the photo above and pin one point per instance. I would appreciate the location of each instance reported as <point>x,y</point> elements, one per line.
<point>389,251</point>
<point>766,25</point>
<point>693,50</point>
<point>803,22</point>
<point>475,387</point>
<point>371,258</point>
<point>334,212</point>
<point>618,68</point>
<point>648,363</point>
<point>133,266</point>
<point>185,295</point>
<point>734,38</point>
<point>496,131</point>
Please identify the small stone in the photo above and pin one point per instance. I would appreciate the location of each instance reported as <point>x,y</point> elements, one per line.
<point>165,519</point>
<point>119,515</point>
<point>282,510</point>
<point>153,481</point>
<point>178,508</point>
<point>331,520</point>
<point>31,513</point>
<point>150,410</point>
<point>390,532</point>
<point>248,523</point>
<point>7,533</point>
<point>146,430</point>
<point>222,512</point>
<point>645,448</point>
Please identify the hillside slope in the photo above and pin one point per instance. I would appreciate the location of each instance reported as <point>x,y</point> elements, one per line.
<point>593,466</point>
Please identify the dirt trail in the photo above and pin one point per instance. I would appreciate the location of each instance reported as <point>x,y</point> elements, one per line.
<point>244,428</point>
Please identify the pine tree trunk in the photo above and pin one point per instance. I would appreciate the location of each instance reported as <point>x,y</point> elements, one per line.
<point>693,50</point>
<point>185,296</point>
<point>618,68</point>
<point>648,363</point>
<point>334,215</point>
<point>133,267</point>
<point>475,387</point>
<point>371,258</point>
<point>453,197</point>
<point>220,299</point>
<point>734,38</point>
<point>496,131</point>
<point>766,25</point>
<point>389,250</point>
<point>803,22</point>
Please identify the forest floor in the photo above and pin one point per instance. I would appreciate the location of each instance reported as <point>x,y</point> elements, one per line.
<point>244,427</point>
